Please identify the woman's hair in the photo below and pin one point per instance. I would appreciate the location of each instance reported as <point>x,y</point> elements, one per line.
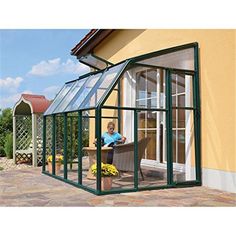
<point>111,123</point>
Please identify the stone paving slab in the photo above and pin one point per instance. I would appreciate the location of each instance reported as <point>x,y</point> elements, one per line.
<point>8,164</point>
<point>29,187</point>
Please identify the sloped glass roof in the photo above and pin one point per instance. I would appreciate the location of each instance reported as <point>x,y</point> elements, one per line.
<point>90,90</point>
<point>59,97</point>
<point>86,92</point>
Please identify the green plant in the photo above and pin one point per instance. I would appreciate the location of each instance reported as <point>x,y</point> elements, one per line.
<point>106,170</point>
<point>5,127</point>
<point>1,168</point>
<point>2,152</point>
<point>85,138</point>
<point>8,146</point>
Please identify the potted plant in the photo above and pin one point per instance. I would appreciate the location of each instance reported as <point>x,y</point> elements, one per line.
<point>107,172</point>
<point>58,163</point>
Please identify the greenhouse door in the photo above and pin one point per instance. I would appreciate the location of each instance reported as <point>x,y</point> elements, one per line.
<point>150,92</point>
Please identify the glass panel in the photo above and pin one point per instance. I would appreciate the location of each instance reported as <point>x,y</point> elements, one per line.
<point>181,100</point>
<point>84,91</point>
<point>181,146</point>
<point>173,84</point>
<point>88,149</point>
<point>73,91</point>
<point>174,135</point>
<point>180,83</point>
<point>184,146</point>
<point>72,146</point>
<point>182,59</point>
<point>152,119</point>
<point>59,97</point>
<point>174,103</point>
<point>151,148</point>
<point>123,154</point>
<point>178,125</point>
<point>174,118</point>
<point>149,89</point>
<point>139,91</point>
<point>112,100</point>
<point>182,90</point>
<point>102,86</point>
<point>181,118</point>
<point>59,138</point>
<point>142,119</point>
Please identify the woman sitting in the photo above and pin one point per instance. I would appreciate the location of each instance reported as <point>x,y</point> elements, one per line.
<point>112,138</point>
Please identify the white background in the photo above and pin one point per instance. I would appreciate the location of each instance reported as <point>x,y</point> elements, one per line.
<point>117,14</point>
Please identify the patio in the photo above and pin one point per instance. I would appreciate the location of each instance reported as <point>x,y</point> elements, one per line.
<point>29,187</point>
<point>153,177</point>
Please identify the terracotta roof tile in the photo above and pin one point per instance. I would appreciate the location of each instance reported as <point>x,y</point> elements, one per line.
<point>83,40</point>
<point>39,102</point>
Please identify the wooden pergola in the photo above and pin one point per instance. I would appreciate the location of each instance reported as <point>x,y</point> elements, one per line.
<point>28,128</point>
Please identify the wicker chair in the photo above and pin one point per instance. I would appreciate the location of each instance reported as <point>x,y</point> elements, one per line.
<point>123,157</point>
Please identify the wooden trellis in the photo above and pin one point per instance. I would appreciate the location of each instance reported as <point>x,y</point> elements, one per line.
<point>28,129</point>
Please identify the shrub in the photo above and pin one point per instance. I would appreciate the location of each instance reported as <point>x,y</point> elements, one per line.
<point>5,127</point>
<point>8,147</point>
<point>2,142</point>
<point>2,152</point>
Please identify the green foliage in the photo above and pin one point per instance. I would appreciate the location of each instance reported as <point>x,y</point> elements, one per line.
<point>8,147</point>
<point>85,138</point>
<point>6,127</point>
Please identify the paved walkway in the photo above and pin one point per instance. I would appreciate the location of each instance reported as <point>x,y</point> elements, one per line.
<point>28,187</point>
<point>8,164</point>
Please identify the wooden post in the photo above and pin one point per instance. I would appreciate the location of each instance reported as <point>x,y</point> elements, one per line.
<point>14,139</point>
<point>34,139</point>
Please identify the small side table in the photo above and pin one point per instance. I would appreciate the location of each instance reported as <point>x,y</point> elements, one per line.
<point>92,153</point>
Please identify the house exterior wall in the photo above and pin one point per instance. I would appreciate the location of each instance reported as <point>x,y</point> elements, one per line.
<point>112,100</point>
<point>217,86</point>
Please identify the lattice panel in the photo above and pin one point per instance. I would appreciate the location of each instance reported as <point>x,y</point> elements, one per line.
<point>39,140</point>
<point>23,132</point>
<point>59,134</point>
<point>23,158</point>
<point>48,136</point>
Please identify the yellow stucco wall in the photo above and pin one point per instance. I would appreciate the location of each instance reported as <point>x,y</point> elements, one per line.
<point>111,101</point>
<point>217,78</point>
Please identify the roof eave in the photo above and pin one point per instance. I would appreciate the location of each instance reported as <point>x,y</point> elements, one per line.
<point>96,37</point>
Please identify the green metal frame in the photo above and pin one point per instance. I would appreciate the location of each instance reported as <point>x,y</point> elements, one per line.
<point>65,146</point>
<point>129,63</point>
<point>169,128</point>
